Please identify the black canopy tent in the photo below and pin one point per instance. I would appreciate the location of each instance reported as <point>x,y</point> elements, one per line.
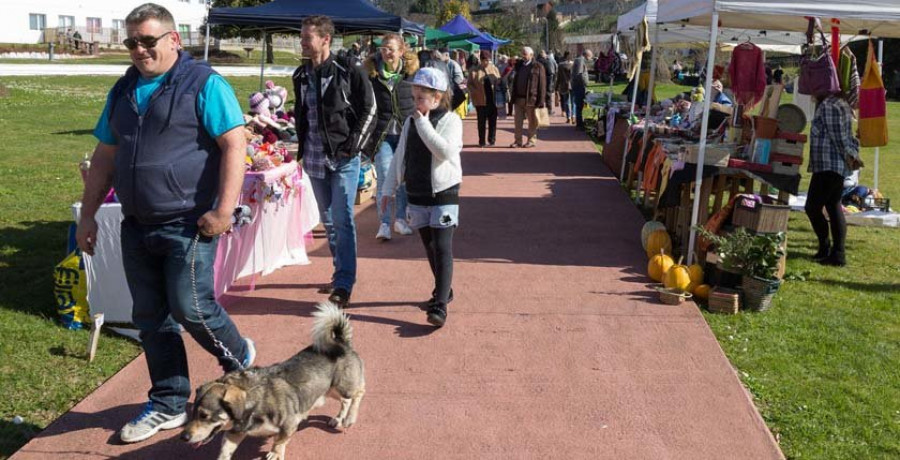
<point>349,16</point>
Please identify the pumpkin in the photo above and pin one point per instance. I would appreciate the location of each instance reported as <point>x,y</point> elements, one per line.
<point>702,291</point>
<point>658,266</point>
<point>678,277</point>
<point>658,240</point>
<point>649,228</point>
<point>696,272</point>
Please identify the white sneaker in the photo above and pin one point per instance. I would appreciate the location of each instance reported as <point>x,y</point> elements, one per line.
<point>402,228</point>
<point>384,232</point>
<point>150,422</point>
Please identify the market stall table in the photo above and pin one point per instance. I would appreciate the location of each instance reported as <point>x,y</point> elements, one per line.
<point>283,210</point>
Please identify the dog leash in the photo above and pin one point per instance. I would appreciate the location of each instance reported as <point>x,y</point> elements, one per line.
<point>218,343</point>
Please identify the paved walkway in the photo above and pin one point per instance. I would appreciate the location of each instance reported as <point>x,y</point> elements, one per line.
<point>555,346</point>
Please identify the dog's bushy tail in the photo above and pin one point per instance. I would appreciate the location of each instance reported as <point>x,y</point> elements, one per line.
<point>330,328</point>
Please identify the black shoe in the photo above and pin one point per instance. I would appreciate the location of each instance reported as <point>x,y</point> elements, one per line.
<point>326,289</point>
<point>433,300</point>
<point>821,255</point>
<point>481,144</point>
<point>340,297</point>
<point>437,314</point>
<point>834,261</point>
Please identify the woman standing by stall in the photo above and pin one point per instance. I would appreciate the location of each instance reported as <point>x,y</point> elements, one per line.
<point>391,71</point>
<point>833,155</point>
<point>483,78</point>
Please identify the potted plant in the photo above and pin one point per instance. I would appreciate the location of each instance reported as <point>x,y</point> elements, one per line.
<point>756,257</point>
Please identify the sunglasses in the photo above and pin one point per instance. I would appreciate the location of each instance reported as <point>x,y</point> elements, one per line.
<point>146,42</point>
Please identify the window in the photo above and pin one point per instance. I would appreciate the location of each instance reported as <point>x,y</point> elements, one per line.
<point>66,21</point>
<point>118,24</point>
<point>37,21</point>
<point>184,30</point>
<point>94,25</point>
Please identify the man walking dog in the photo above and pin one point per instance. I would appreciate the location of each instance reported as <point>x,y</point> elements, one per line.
<point>171,143</point>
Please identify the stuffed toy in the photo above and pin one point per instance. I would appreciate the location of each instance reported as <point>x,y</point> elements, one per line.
<point>259,105</point>
<point>276,95</point>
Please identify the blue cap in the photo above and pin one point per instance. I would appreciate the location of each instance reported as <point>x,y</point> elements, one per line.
<point>430,77</point>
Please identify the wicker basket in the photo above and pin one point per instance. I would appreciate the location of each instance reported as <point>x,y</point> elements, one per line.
<point>758,292</point>
<point>673,297</point>
<point>761,217</point>
<point>723,300</point>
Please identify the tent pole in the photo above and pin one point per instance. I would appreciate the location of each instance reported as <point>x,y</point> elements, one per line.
<point>262,61</point>
<point>612,78</point>
<point>701,154</point>
<point>878,149</point>
<point>206,42</point>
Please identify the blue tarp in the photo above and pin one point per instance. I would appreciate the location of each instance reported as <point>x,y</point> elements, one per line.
<point>348,16</point>
<point>460,25</point>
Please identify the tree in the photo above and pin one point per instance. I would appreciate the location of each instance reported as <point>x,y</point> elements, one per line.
<point>450,9</point>
<point>398,7</point>
<point>556,35</point>
<point>238,32</point>
<point>508,25</point>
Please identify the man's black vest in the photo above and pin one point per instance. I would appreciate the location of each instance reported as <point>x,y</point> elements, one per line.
<point>167,165</point>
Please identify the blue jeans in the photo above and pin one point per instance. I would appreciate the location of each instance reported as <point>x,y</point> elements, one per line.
<point>382,165</point>
<point>565,101</point>
<point>157,261</point>
<point>335,195</point>
<point>578,99</point>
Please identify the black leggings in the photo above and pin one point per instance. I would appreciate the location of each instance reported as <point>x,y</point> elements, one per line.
<point>825,189</point>
<point>439,247</point>
<point>487,120</point>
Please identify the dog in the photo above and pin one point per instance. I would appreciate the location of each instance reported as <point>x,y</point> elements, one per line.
<point>274,400</point>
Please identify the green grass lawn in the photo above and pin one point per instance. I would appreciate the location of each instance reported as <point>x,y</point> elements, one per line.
<point>823,364</point>
<point>45,124</point>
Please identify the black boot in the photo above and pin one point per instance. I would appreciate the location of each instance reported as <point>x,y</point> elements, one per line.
<point>437,314</point>
<point>822,253</point>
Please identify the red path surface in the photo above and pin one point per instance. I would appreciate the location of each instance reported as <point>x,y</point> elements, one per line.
<point>555,346</point>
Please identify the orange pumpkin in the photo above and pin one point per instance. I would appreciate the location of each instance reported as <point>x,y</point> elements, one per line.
<point>658,266</point>
<point>678,277</point>
<point>696,272</point>
<point>702,291</point>
<point>649,228</point>
<point>658,240</point>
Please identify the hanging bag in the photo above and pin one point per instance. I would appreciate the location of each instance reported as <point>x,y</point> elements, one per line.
<point>818,75</point>
<point>873,130</point>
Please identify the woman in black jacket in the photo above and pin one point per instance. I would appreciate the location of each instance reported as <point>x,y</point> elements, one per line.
<point>391,70</point>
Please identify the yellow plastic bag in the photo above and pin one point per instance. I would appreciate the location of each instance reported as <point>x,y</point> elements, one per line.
<point>70,289</point>
<point>873,131</point>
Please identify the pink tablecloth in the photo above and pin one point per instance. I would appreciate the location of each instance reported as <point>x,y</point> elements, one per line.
<point>284,212</point>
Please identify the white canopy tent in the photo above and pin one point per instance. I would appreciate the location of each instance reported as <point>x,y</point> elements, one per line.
<point>873,17</point>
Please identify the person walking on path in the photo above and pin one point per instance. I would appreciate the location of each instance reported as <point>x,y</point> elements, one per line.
<point>564,86</point>
<point>335,111</point>
<point>550,69</point>
<point>579,85</point>
<point>483,79</point>
<point>833,156</point>
<point>529,93</point>
<point>509,76</point>
<point>391,72</point>
<point>171,140</point>
<point>428,162</point>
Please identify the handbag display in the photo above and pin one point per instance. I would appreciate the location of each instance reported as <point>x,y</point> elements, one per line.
<point>818,75</point>
<point>873,130</point>
<point>543,117</point>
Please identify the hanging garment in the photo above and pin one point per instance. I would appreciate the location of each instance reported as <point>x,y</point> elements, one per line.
<point>848,75</point>
<point>872,105</point>
<point>747,74</point>
<point>642,44</point>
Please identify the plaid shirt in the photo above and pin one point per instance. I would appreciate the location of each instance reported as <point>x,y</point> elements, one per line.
<point>314,159</point>
<point>831,137</point>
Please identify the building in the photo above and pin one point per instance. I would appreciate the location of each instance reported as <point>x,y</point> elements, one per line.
<point>103,21</point>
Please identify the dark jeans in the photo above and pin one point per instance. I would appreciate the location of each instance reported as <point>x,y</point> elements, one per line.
<point>564,103</point>
<point>157,261</point>
<point>487,120</point>
<point>825,189</point>
<point>578,93</point>
<point>439,248</point>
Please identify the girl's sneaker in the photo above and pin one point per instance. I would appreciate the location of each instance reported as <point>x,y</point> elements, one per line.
<point>437,314</point>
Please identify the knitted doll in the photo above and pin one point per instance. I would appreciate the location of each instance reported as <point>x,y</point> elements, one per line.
<point>276,95</point>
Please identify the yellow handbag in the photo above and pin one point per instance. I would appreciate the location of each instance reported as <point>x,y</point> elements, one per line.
<point>873,131</point>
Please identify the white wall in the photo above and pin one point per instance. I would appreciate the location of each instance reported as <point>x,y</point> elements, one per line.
<point>14,20</point>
